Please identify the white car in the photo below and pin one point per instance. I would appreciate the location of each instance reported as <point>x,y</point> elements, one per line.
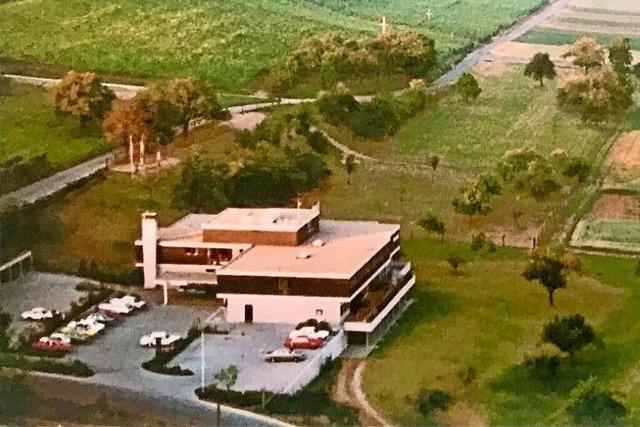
<point>284,355</point>
<point>58,336</point>
<point>119,308</point>
<point>166,339</point>
<point>83,328</point>
<point>130,300</point>
<point>38,313</point>
<point>99,317</point>
<point>309,331</point>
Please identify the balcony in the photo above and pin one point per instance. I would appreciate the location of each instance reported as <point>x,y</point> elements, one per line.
<point>382,297</point>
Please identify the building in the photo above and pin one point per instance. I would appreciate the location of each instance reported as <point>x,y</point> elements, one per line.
<point>282,265</point>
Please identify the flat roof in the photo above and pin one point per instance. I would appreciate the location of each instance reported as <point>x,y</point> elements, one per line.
<point>261,219</point>
<point>187,228</point>
<point>347,247</point>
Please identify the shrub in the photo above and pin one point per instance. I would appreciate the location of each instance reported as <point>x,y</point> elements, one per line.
<point>568,333</point>
<point>318,141</point>
<point>478,241</point>
<point>544,367</point>
<point>49,365</point>
<point>375,119</point>
<point>455,261</point>
<point>432,401</point>
<point>595,407</point>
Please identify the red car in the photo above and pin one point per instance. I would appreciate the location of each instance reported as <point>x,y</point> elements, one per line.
<point>303,342</point>
<point>111,314</point>
<point>52,346</point>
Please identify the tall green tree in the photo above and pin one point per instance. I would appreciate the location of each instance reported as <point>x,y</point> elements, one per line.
<point>620,55</point>
<point>540,67</point>
<point>201,187</point>
<point>549,272</point>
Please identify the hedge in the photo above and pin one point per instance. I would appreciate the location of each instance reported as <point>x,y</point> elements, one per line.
<point>40,364</point>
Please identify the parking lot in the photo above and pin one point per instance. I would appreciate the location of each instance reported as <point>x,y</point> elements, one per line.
<point>51,291</point>
<point>244,347</point>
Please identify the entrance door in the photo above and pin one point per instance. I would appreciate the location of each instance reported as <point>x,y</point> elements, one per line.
<point>248,313</point>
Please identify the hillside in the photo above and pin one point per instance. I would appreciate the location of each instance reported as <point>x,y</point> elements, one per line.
<point>226,42</point>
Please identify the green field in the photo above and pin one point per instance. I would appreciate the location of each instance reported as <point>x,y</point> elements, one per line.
<point>487,319</point>
<point>29,127</point>
<point>229,42</point>
<point>559,37</point>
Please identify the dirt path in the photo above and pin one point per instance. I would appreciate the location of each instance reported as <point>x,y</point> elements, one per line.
<point>348,390</point>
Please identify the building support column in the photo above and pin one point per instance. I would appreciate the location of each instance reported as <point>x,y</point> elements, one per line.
<point>165,293</point>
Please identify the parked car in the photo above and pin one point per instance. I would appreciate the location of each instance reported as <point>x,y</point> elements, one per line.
<point>115,307</point>
<point>58,336</point>
<point>130,301</point>
<point>166,339</point>
<point>111,314</point>
<point>39,313</point>
<point>99,317</point>
<point>309,331</point>
<point>284,355</point>
<point>53,346</point>
<point>303,342</point>
<point>82,328</point>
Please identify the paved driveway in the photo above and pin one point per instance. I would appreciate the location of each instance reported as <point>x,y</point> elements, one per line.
<point>244,347</point>
<point>52,291</point>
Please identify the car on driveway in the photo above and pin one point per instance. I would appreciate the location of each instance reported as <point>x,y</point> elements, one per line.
<point>303,342</point>
<point>284,355</point>
<point>39,313</point>
<point>82,328</point>
<point>309,331</point>
<point>166,339</point>
<point>99,317</point>
<point>52,346</point>
<point>130,301</point>
<point>115,307</point>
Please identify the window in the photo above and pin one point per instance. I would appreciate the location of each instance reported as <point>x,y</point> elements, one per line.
<point>283,286</point>
<point>191,252</point>
<point>319,312</point>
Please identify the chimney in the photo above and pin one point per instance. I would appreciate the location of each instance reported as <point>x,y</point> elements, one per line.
<point>149,248</point>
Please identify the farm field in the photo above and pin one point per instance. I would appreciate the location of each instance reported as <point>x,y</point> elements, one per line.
<point>486,320</point>
<point>228,43</point>
<point>512,112</point>
<point>604,20</point>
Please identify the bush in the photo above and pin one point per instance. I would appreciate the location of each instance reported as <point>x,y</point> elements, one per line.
<point>318,141</point>
<point>544,367</point>
<point>432,401</point>
<point>375,119</point>
<point>478,241</point>
<point>595,407</point>
<point>568,333</point>
<point>41,364</point>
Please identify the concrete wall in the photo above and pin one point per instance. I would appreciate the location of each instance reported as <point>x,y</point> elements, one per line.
<point>282,309</point>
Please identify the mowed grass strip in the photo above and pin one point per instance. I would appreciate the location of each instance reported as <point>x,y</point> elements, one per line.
<point>29,127</point>
<point>229,42</point>
<point>487,318</point>
<point>560,37</point>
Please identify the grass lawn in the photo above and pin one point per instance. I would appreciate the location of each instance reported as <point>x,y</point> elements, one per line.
<point>29,127</point>
<point>230,42</point>
<point>488,318</point>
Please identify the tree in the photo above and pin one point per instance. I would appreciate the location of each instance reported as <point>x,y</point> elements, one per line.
<point>597,94</point>
<point>434,161</point>
<point>467,87</point>
<point>349,165</point>
<point>192,100</point>
<point>569,333</point>
<point>83,95</point>
<point>620,55</point>
<point>549,272</point>
<point>126,118</point>
<point>432,224</point>
<point>541,67</point>
<point>226,377</point>
<point>201,187</point>
<point>471,202</point>
<point>587,53</point>
<point>455,261</point>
